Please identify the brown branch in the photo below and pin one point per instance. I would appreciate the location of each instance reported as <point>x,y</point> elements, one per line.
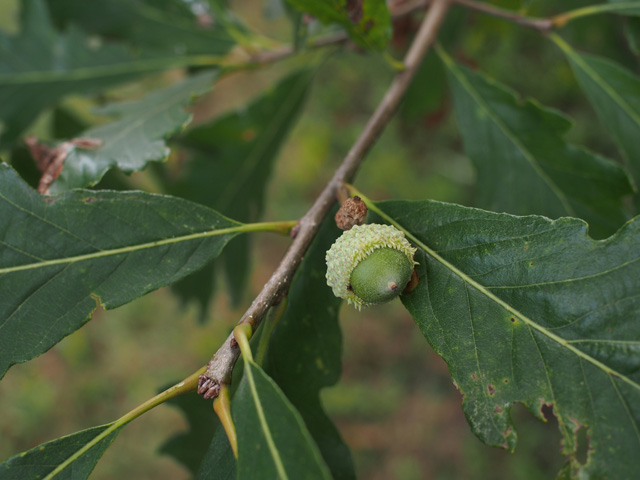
<point>541,24</point>
<point>221,365</point>
<point>398,11</point>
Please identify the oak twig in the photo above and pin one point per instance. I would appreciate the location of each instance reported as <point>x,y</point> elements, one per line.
<point>220,367</point>
<point>542,24</point>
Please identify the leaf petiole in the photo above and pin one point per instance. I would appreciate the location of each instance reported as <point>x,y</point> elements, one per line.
<point>222,407</point>
<point>187,385</point>
<point>562,19</point>
<point>270,323</point>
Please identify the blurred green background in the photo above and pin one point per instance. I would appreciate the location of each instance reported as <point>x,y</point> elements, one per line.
<point>395,406</point>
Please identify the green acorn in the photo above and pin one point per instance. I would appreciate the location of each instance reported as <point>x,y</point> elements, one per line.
<point>370,264</point>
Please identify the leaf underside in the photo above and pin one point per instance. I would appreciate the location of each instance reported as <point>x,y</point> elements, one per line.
<point>61,257</point>
<point>525,309</point>
<point>136,137</point>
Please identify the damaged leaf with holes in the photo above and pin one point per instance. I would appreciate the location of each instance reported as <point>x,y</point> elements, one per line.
<point>530,310</point>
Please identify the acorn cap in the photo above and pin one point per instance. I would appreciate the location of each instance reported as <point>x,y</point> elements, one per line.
<point>353,247</point>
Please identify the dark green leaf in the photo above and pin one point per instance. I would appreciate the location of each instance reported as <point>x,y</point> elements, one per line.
<point>273,441</point>
<point>614,93</point>
<point>137,137</point>
<point>230,163</point>
<point>62,256</point>
<point>632,33</point>
<point>219,462</point>
<point>189,448</point>
<point>168,25</point>
<point>625,7</point>
<point>368,22</point>
<point>524,165</point>
<point>427,90</point>
<point>63,454</point>
<point>39,66</point>
<point>525,309</point>
<point>311,318</point>
<point>66,124</point>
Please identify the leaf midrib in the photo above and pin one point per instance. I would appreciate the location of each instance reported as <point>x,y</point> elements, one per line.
<point>132,66</point>
<point>505,130</point>
<point>483,290</point>
<point>128,249</point>
<point>263,423</point>
<point>609,90</point>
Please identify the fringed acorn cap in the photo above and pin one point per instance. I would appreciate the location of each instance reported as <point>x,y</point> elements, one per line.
<point>358,244</point>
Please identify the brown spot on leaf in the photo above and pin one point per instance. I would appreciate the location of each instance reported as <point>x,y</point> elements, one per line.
<point>354,11</point>
<point>248,135</point>
<point>491,389</point>
<point>413,283</point>
<point>50,159</point>
<point>473,377</point>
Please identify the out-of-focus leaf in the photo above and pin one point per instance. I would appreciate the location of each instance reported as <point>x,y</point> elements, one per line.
<point>219,462</point>
<point>368,22</point>
<point>175,26</point>
<point>625,7</point>
<point>60,257</point>
<point>311,317</point>
<point>63,454</point>
<point>525,309</point>
<point>137,137</point>
<point>426,92</point>
<point>189,448</point>
<point>228,169</point>
<point>39,66</point>
<point>524,165</point>
<point>632,32</point>
<point>614,93</point>
<point>273,441</point>
<point>65,124</point>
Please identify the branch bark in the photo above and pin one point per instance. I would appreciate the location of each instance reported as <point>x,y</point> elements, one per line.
<point>541,24</point>
<point>220,367</point>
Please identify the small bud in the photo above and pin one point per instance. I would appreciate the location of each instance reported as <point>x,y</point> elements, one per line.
<point>352,212</point>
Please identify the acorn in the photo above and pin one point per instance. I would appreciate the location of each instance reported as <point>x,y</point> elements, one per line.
<point>370,264</point>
